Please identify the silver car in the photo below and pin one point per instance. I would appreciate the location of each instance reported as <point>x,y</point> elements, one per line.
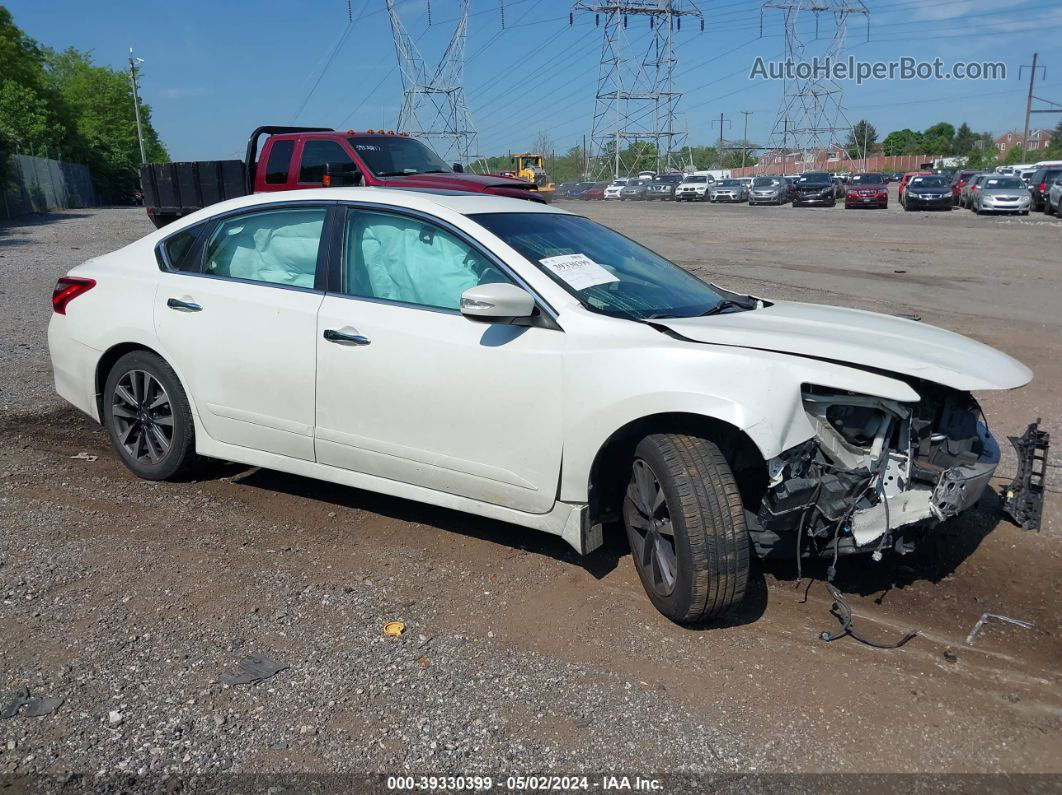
<point>729,190</point>
<point>1053,205</point>
<point>1002,194</point>
<point>767,190</point>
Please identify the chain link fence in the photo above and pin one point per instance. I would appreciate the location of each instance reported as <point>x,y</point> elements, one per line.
<point>37,184</point>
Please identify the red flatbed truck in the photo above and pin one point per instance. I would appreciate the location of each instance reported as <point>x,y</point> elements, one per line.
<point>295,158</point>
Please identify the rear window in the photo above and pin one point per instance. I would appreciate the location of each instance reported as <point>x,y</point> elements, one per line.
<point>177,250</point>
<point>279,162</point>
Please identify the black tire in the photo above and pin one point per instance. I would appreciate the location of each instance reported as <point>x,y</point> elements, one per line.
<point>1049,209</point>
<point>162,458</point>
<point>701,506</point>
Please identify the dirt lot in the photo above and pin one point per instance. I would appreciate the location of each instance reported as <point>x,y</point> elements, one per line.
<point>131,600</point>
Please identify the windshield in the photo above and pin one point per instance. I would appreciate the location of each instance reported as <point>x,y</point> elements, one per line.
<point>669,178</point>
<point>868,179</point>
<point>696,179</point>
<point>1007,183</point>
<point>763,182</point>
<point>729,183</point>
<point>396,156</point>
<point>930,182</point>
<point>606,271</point>
<point>815,179</point>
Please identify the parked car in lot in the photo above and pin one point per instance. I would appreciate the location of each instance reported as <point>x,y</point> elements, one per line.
<point>635,190</point>
<point>866,190</point>
<point>999,193</point>
<point>970,189</point>
<point>308,333</point>
<point>1053,202</point>
<point>728,190</point>
<point>614,188</point>
<point>768,190</point>
<point>814,188</point>
<point>907,178</point>
<point>1038,185</point>
<point>596,192</point>
<point>928,192</point>
<point>961,178</point>
<point>694,187</point>
<point>663,187</point>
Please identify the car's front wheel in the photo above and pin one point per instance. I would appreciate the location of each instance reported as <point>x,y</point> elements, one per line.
<point>686,527</point>
<point>148,417</point>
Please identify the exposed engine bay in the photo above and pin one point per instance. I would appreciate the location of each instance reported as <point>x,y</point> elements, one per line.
<point>876,474</point>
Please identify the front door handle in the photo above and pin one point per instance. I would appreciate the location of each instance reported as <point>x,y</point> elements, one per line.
<point>344,338</point>
<point>183,306</point>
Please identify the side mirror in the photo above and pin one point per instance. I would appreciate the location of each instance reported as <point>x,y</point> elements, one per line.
<point>341,175</point>
<point>458,168</point>
<point>497,302</point>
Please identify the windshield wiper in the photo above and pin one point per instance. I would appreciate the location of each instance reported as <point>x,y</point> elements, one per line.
<point>723,305</point>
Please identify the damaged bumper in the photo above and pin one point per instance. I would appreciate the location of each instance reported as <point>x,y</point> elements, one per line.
<point>875,475</point>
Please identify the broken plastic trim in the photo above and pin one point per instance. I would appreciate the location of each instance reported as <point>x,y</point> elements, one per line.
<point>1023,499</point>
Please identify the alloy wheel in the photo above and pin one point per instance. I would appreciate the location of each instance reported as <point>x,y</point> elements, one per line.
<point>653,538</point>
<point>143,416</point>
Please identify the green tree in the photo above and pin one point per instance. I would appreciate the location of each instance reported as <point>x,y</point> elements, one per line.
<point>902,142</point>
<point>1054,148</point>
<point>1016,154</point>
<point>939,139</point>
<point>100,100</point>
<point>964,140</point>
<point>984,153</point>
<point>862,138</point>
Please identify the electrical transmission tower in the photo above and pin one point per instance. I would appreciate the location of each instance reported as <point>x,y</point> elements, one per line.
<point>636,101</point>
<point>811,117</point>
<point>434,108</point>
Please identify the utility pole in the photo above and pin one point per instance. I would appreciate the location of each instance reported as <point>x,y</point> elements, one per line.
<point>745,136</point>
<point>1028,105</point>
<point>136,102</point>
<point>722,120</point>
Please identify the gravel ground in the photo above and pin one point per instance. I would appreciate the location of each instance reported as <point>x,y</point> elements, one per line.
<point>131,601</point>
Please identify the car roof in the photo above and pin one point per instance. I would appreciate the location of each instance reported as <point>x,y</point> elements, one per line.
<point>427,200</point>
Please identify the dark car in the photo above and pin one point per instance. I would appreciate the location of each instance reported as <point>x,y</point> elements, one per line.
<point>866,190</point>
<point>663,187</point>
<point>928,192</point>
<point>596,192</point>
<point>1040,184</point>
<point>815,187</point>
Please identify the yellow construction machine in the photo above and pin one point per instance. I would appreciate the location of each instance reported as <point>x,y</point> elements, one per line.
<point>532,167</point>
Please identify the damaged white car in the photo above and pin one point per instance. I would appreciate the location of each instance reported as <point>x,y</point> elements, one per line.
<point>516,361</point>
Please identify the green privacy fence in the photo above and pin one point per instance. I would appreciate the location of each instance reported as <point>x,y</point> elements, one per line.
<point>37,184</point>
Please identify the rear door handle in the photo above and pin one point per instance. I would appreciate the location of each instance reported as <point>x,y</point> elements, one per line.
<point>183,306</point>
<point>345,338</point>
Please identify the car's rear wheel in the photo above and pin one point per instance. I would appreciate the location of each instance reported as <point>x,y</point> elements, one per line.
<point>148,417</point>
<point>686,527</point>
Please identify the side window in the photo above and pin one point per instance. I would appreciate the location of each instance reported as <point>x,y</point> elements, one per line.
<point>178,250</point>
<point>279,162</point>
<point>314,156</point>
<point>273,246</point>
<point>397,258</point>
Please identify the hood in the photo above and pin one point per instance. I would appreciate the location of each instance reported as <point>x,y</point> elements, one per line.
<point>453,181</point>
<point>863,339</point>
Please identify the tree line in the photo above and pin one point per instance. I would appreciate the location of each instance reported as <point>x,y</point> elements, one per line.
<point>62,105</point>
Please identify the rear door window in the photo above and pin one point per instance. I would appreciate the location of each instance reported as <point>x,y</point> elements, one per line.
<point>272,246</point>
<point>279,162</point>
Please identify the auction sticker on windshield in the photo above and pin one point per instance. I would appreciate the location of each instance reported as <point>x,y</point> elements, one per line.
<point>578,271</point>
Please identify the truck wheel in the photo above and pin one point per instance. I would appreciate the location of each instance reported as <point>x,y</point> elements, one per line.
<point>148,418</point>
<point>686,527</point>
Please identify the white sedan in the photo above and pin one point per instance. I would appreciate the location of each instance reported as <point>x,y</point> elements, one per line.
<point>519,362</point>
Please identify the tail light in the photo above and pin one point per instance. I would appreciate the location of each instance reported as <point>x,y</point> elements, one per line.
<point>67,289</point>
<point>1043,187</point>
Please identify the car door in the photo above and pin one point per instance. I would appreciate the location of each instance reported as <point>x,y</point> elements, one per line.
<point>238,316</point>
<point>410,390</point>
